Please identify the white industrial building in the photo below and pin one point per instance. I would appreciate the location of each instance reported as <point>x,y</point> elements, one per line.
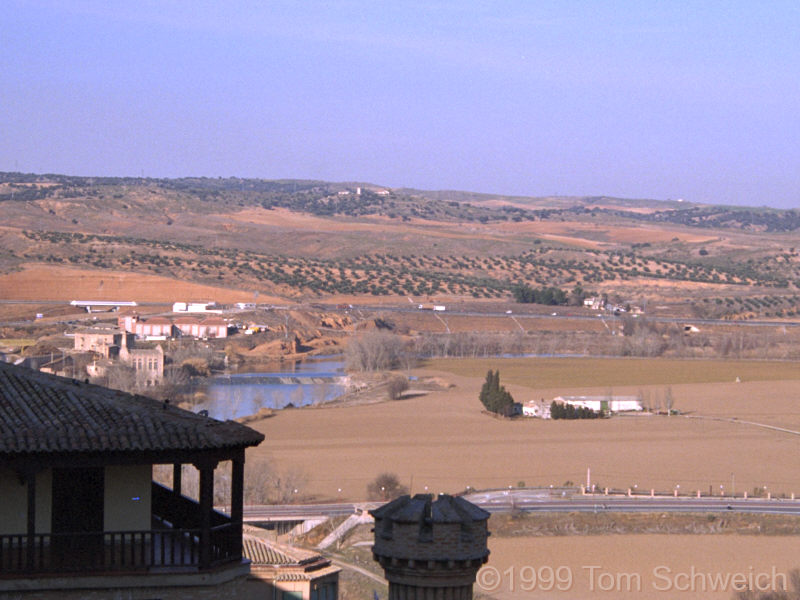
<point>195,307</point>
<point>608,404</point>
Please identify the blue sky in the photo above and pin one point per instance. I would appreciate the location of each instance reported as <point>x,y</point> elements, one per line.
<point>670,99</point>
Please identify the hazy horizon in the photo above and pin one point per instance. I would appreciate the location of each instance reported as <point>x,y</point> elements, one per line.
<point>658,101</point>
<point>145,177</point>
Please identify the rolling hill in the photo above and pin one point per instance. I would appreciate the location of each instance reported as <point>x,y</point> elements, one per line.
<point>314,239</point>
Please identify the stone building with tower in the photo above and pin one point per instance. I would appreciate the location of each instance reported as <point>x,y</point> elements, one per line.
<point>430,548</point>
<point>147,364</point>
<point>103,341</point>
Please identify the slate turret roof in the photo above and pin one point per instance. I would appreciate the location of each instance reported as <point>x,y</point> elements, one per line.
<point>445,509</point>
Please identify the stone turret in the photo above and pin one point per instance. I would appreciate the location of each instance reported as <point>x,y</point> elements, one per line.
<point>430,549</point>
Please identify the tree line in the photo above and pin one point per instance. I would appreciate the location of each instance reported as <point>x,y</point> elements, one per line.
<point>568,411</point>
<point>551,296</point>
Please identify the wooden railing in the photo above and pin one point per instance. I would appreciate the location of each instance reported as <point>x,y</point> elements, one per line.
<point>113,550</point>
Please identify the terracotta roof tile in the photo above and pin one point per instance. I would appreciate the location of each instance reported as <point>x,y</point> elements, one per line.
<point>292,563</point>
<point>187,321</point>
<point>157,321</point>
<point>261,553</point>
<point>214,321</point>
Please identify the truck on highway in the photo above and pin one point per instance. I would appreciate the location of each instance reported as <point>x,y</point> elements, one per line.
<point>439,307</point>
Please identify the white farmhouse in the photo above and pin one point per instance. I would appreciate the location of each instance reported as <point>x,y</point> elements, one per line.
<point>536,408</point>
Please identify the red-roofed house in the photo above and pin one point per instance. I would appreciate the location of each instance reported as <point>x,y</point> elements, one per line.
<point>215,327</point>
<point>188,326</point>
<point>210,327</point>
<point>156,326</point>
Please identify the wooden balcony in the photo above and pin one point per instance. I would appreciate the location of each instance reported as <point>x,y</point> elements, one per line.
<point>177,541</point>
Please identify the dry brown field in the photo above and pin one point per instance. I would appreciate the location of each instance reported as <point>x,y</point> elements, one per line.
<point>518,322</point>
<point>429,321</point>
<point>411,232</point>
<point>61,283</point>
<point>605,233</point>
<point>616,372</point>
<point>635,567</point>
<point>443,440</point>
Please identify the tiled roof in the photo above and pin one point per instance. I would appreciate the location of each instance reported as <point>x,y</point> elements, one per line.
<point>214,321</point>
<point>307,575</point>
<point>41,413</point>
<point>281,563</point>
<point>294,577</point>
<point>157,321</point>
<point>187,321</point>
<point>99,330</point>
<point>261,553</point>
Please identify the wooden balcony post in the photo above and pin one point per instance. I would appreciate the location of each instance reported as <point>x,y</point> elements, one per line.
<point>206,468</point>
<point>30,481</point>
<point>177,472</point>
<point>237,502</point>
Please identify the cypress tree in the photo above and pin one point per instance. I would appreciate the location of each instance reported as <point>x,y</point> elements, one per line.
<point>486,390</point>
<point>493,396</point>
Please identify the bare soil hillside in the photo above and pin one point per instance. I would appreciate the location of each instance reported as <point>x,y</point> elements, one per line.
<point>311,240</point>
<point>60,283</point>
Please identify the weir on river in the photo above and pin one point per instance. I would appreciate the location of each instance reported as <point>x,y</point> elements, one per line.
<point>242,394</point>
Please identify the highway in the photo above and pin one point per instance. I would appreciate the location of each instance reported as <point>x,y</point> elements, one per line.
<point>541,500</point>
<point>300,512</point>
<point>561,313</point>
<point>634,504</point>
<point>557,313</point>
